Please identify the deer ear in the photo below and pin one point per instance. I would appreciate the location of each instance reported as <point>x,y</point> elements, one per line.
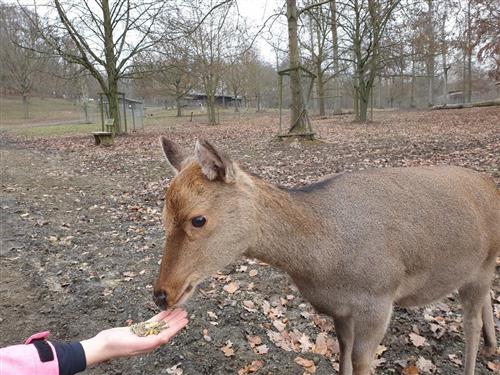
<point>214,165</point>
<point>173,152</point>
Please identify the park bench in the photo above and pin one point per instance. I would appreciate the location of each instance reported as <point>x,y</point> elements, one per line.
<point>105,138</point>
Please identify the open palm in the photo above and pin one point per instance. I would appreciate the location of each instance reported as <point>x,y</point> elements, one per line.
<point>122,342</point>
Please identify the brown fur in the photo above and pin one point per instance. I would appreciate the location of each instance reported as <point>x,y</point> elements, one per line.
<point>354,244</point>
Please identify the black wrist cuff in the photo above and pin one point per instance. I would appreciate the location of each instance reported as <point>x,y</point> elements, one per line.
<point>71,357</point>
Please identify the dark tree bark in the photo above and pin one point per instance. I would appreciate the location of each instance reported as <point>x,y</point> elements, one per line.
<point>297,123</point>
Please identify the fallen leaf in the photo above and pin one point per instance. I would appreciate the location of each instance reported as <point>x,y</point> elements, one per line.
<point>324,324</point>
<point>494,366</point>
<point>231,287</point>
<point>252,367</point>
<point>228,349</point>
<point>380,350</point>
<point>249,305</point>
<point>254,341</point>
<point>206,337</point>
<point>377,362</point>
<point>307,364</point>
<point>320,347</point>
<point>175,370</point>
<point>261,349</point>
<point>417,340</point>
<point>279,325</point>
<point>266,307</point>
<point>425,365</point>
<point>281,340</point>
<point>410,370</point>
<point>306,314</point>
<point>253,273</point>
<point>212,315</point>
<point>455,360</point>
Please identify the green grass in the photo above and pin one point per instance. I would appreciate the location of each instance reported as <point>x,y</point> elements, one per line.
<point>57,130</point>
<point>40,110</point>
<point>51,117</point>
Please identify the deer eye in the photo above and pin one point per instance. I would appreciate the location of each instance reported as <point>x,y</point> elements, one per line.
<point>198,221</point>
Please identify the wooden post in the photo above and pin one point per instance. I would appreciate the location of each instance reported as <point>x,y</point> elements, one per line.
<point>133,116</point>
<point>281,101</point>
<point>124,112</point>
<point>101,105</point>
<point>371,104</point>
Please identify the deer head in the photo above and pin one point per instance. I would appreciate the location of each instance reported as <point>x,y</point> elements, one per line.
<point>207,219</point>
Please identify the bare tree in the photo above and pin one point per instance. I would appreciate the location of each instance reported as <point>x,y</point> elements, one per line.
<point>335,56</point>
<point>319,50</point>
<point>106,36</point>
<point>20,67</point>
<point>215,35</point>
<point>297,120</point>
<point>365,22</point>
<point>169,70</point>
<point>234,78</point>
<point>486,27</point>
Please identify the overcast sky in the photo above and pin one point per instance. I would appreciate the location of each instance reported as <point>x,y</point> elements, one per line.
<point>255,11</point>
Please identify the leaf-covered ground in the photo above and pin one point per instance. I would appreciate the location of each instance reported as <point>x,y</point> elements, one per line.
<point>81,240</point>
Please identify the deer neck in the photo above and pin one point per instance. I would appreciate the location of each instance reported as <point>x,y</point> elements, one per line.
<point>286,230</point>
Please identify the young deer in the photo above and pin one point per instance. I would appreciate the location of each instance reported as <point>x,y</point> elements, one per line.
<point>355,244</point>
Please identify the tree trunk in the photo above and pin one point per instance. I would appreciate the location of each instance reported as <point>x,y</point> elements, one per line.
<point>212,113</point>
<point>235,94</point>
<point>444,53</point>
<point>178,97</point>
<point>114,106</point>
<point>297,123</point>
<point>178,105</point>
<point>257,97</point>
<point>363,104</point>
<point>468,97</point>
<point>380,102</point>
<point>111,71</point>
<point>430,58</point>
<point>321,89</point>
<point>26,112</point>
<point>413,78</point>
<point>355,100</point>
<point>336,70</point>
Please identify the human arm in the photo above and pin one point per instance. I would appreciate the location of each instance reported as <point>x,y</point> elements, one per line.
<point>121,342</point>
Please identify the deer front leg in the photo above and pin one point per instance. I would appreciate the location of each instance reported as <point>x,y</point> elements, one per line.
<point>370,325</point>
<point>344,329</point>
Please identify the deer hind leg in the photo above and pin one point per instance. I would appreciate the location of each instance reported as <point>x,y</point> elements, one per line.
<point>473,297</point>
<point>344,329</point>
<point>490,341</point>
<point>369,329</point>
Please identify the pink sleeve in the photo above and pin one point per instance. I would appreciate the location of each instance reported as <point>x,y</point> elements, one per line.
<point>24,359</point>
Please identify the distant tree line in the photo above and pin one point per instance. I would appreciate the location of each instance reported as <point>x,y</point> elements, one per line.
<point>358,49</point>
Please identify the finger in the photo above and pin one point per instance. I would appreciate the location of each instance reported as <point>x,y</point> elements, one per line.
<point>164,315</point>
<point>177,313</point>
<point>160,316</point>
<point>176,321</point>
<point>149,343</point>
<point>172,330</point>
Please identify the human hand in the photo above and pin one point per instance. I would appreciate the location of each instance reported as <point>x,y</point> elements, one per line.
<point>122,342</point>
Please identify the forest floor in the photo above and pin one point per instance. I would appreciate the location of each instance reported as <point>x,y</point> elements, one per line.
<point>81,239</point>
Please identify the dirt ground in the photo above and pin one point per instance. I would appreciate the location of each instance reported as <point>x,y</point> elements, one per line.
<point>81,239</point>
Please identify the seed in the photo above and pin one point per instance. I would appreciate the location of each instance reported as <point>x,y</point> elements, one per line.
<point>143,329</point>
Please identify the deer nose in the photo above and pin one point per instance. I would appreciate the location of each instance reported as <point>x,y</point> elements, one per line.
<point>160,298</point>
